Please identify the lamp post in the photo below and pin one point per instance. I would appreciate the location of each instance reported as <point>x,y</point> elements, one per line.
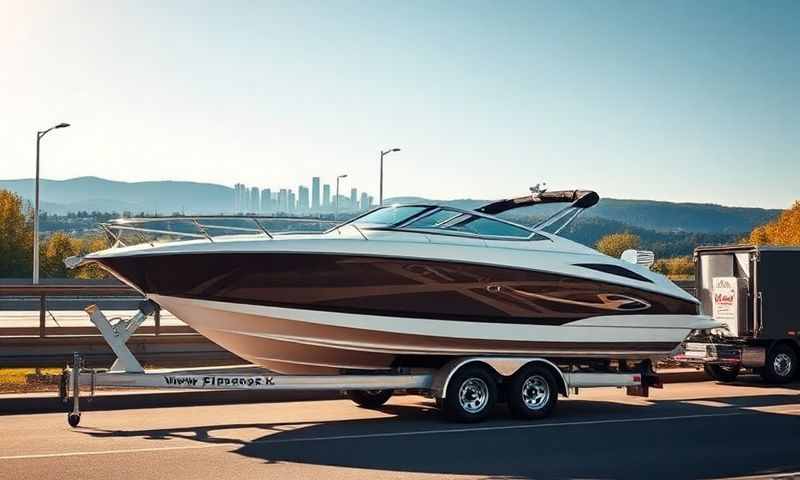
<point>336,211</point>
<point>39,136</point>
<point>383,154</point>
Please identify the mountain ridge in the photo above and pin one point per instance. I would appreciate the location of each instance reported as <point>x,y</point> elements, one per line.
<point>166,196</point>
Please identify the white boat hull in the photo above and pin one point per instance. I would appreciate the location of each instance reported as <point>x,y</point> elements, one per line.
<point>299,341</point>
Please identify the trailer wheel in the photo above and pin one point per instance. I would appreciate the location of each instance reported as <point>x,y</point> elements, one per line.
<point>370,398</point>
<point>781,364</point>
<point>73,419</point>
<point>722,373</point>
<point>532,393</point>
<point>471,394</point>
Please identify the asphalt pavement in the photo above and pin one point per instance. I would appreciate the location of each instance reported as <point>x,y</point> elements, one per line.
<point>688,430</point>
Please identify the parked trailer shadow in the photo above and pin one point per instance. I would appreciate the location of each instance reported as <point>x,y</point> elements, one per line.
<point>597,439</point>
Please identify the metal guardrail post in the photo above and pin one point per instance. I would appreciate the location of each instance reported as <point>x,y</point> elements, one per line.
<point>42,315</point>
<point>157,319</point>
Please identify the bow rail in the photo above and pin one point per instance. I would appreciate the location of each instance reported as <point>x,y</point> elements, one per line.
<point>125,232</point>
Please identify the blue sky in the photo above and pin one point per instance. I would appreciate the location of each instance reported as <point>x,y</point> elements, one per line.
<point>681,101</point>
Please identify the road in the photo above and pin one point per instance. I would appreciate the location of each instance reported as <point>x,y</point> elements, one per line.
<point>690,430</point>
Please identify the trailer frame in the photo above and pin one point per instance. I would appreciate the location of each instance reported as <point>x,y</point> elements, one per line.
<point>127,372</point>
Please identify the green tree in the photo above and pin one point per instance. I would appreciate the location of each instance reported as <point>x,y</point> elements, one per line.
<point>16,236</point>
<point>615,243</point>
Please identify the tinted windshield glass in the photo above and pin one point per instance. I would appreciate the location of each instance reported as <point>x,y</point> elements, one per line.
<point>435,219</point>
<point>488,226</point>
<point>389,216</point>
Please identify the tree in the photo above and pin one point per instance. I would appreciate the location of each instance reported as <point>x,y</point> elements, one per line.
<point>16,236</point>
<point>785,230</point>
<point>615,243</point>
<point>676,267</point>
<point>89,245</point>
<point>56,248</point>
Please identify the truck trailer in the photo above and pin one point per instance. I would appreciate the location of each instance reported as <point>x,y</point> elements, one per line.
<point>755,291</point>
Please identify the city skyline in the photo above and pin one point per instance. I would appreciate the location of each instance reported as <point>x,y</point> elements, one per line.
<point>254,199</point>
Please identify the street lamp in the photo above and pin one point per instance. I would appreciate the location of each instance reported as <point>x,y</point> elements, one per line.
<point>383,154</point>
<point>336,212</point>
<point>39,136</point>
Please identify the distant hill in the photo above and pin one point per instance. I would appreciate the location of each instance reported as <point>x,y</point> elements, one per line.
<point>647,214</point>
<point>93,193</point>
<point>165,197</point>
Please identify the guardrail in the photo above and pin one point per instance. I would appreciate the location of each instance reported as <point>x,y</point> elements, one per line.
<point>68,287</point>
<point>26,346</point>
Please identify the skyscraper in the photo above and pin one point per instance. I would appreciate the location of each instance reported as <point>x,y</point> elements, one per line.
<point>315,193</point>
<point>266,200</point>
<point>237,198</point>
<point>240,198</point>
<point>326,197</point>
<point>364,201</point>
<point>283,201</point>
<point>353,199</point>
<point>292,203</point>
<point>302,198</point>
<point>255,200</point>
<point>370,202</point>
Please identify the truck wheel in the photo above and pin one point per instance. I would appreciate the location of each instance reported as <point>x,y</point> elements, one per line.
<point>370,398</point>
<point>532,393</point>
<point>722,373</point>
<point>471,394</point>
<point>781,364</point>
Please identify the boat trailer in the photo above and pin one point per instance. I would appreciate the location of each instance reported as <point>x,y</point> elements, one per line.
<point>446,384</point>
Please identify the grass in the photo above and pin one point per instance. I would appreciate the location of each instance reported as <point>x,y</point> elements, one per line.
<point>15,380</point>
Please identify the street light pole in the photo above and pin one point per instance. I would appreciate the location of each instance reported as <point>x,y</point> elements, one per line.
<point>383,154</point>
<point>39,136</point>
<point>336,211</point>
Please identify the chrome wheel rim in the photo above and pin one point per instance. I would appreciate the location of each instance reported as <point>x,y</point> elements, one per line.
<point>782,364</point>
<point>535,392</point>
<point>473,395</point>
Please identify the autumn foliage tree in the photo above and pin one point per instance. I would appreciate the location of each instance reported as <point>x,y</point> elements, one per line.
<point>16,245</point>
<point>785,230</point>
<point>676,267</point>
<point>16,236</point>
<point>615,243</point>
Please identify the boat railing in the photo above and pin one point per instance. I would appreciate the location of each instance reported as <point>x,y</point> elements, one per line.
<point>131,231</point>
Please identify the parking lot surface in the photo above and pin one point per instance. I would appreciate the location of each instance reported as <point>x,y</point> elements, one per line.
<point>689,430</point>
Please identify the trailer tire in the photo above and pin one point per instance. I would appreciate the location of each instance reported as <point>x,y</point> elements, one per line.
<point>781,364</point>
<point>471,394</point>
<point>532,393</point>
<point>370,398</point>
<point>722,373</point>
<point>74,419</point>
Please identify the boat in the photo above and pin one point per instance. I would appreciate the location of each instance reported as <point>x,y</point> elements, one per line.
<point>403,286</point>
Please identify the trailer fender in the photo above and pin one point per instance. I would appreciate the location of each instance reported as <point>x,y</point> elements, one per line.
<point>503,366</point>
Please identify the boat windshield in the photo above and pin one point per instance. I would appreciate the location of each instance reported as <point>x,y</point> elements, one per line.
<point>443,220</point>
<point>389,216</point>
